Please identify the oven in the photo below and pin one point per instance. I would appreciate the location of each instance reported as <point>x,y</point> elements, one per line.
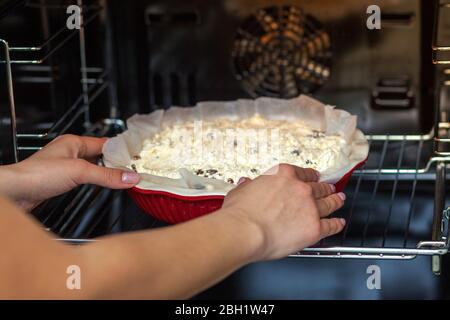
<point>137,56</point>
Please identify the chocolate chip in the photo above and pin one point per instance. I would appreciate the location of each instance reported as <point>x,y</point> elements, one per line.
<point>308,161</point>
<point>230,180</point>
<point>136,157</point>
<point>211,171</point>
<point>199,172</point>
<point>133,166</point>
<point>253,170</point>
<point>295,152</point>
<point>317,134</point>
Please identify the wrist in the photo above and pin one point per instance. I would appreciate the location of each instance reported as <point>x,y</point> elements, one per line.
<point>251,236</point>
<point>7,186</point>
<point>12,186</point>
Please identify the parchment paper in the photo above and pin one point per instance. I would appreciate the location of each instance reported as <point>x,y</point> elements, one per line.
<point>118,151</point>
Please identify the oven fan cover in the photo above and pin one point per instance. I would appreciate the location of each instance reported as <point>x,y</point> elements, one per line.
<point>281,52</point>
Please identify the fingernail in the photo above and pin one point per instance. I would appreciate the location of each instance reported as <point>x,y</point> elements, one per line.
<point>130,177</point>
<point>333,188</point>
<point>317,174</point>
<point>342,196</point>
<point>241,180</point>
<point>342,221</point>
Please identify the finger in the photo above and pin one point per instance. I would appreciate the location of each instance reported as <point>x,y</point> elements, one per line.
<point>307,174</point>
<point>73,146</point>
<point>88,173</point>
<point>330,204</point>
<point>287,170</point>
<point>329,227</point>
<point>90,147</point>
<point>321,190</point>
<point>243,181</point>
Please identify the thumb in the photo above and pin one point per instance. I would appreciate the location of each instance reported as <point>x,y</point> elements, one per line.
<point>107,177</point>
<point>243,180</point>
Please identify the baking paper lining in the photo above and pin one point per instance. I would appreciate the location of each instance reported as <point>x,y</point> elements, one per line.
<point>118,151</point>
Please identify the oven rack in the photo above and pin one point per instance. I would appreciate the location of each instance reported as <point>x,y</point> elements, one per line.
<point>97,84</point>
<point>403,164</point>
<point>33,60</point>
<point>375,235</point>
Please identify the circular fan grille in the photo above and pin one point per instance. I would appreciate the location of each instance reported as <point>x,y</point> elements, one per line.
<point>280,52</point>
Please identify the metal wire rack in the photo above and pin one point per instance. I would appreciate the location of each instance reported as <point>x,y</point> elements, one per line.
<point>406,223</point>
<point>391,227</point>
<point>94,80</point>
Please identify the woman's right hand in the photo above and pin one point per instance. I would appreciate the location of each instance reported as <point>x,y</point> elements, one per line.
<point>289,208</point>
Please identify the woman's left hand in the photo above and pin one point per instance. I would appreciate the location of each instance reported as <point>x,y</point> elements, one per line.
<point>59,167</point>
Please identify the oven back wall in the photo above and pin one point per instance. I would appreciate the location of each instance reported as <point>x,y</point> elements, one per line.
<point>181,52</point>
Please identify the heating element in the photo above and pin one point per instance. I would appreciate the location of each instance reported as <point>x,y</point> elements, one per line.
<point>281,52</point>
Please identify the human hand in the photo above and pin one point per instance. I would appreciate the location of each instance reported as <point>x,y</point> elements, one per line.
<point>60,166</point>
<point>288,208</point>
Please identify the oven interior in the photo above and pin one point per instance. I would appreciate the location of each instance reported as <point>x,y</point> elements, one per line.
<point>138,56</point>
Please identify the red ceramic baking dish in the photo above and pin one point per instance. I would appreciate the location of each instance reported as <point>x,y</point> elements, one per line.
<point>177,200</point>
<point>174,208</point>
